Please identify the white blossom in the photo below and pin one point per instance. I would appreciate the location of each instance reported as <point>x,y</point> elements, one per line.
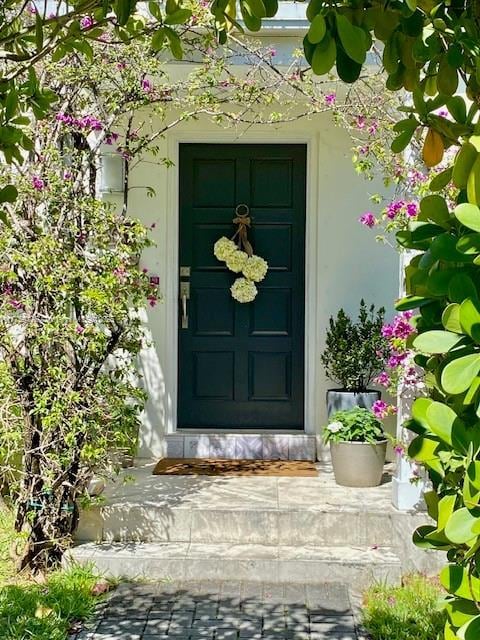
<point>224,248</point>
<point>243,290</point>
<point>255,268</point>
<point>236,261</point>
<point>334,427</point>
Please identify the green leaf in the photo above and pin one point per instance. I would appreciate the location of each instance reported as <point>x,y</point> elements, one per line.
<point>470,630</point>
<point>158,39</point>
<point>469,244</point>
<point>411,302</point>
<point>317,30</point>
<point>352,39</point>
<point>175,43</point>
<point>441,180</point>
<point>469,315</point>
<point>460,528</point>
<point>461,286</point>
<point>324,56</point>
<point>457,108</point>
<point>419,411</point>
<point>434,209</point>
<point>451,318</point>
<point>179,17</point>
<point>458,375</point>
<point>446,507</point>
<point>8,193</point>
<point>456,580</point>
<point>444,423</point>
<point>314,7</point>
<point>436,341</point>
<point>469,215</point>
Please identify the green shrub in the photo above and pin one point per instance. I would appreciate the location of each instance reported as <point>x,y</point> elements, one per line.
<point>354,351</point>
<point>354,425</point>
<point>409,612</point>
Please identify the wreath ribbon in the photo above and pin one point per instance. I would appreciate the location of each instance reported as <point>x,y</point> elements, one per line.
<point>244,221</point>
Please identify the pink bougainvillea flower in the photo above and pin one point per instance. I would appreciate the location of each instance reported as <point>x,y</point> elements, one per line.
<point>79,329</point>
<point>399,449</point>
<point>152,300</point>
<point>146,85</point>
<point>383,379</point>
<point>330,99</point>
<point>67,175</point>
<point>31,8</point>
<point>373,128</point>
<point>38,183</point>
<point>87,22</point>
<point>412,209</point>
<point>368,219</point>
<point>16,304</point>
<point>381,409</point>
<point>121,65</point>
<point>360,122</point>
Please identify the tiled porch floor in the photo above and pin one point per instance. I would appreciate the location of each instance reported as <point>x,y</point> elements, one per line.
<point>252,493</point>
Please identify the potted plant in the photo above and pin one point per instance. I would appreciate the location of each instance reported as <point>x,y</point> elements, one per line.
<point>355,353</point>
<point>358,447</point>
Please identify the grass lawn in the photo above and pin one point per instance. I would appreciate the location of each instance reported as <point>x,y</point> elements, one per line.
<point>31,611</point>
<point>409,612</point>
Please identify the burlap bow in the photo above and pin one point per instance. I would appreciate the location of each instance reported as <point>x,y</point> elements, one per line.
<point>243,221</point>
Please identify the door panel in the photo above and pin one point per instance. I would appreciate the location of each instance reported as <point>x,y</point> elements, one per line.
<point>242,365</point>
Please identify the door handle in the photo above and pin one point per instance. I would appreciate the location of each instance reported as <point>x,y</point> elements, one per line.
<point>184,297</point>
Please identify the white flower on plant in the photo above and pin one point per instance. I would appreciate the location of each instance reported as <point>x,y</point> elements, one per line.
<point>236,261</point>
<point>243,290</point>
<point>224,248</point>
<point>255,268</point>
<point>335,427</point>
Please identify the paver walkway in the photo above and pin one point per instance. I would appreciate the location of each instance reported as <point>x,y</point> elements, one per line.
<point>224,611</point>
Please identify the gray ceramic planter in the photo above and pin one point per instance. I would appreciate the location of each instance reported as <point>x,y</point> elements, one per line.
<point>339,399</point>
<point>358,464</point>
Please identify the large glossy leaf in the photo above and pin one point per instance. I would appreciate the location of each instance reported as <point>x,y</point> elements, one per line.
<point>436,341</point>
<point>460,611</point>
<point>444,423</point>
<point>459,374</point>
<point>434,209</point>
<point>461,286</point>
<point>352,39</point>
<point>460,528</point>
<point>469,215</point>
<point>469,243</point>
<point>324,55</point>
<point>451,318</point>
<point>419,411</point>
<point>469,316</point>
<point>470,630</point>
<point>456,580</point>
<point>444,247</point>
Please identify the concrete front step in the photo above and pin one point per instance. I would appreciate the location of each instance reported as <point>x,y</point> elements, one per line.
<point>335,525</point>
<point>355,566</point>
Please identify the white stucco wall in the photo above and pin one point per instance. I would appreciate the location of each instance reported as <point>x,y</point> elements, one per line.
<point>344,263</point>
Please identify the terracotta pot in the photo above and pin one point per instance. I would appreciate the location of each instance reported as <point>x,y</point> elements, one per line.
<point>358,464</point>
<point>340,399</point>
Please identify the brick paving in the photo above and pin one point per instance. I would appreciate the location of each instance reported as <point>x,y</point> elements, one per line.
<point>224,611</point>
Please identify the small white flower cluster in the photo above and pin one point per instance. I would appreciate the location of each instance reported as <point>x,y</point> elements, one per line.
<point>254,268</point>
<point>335,427</point>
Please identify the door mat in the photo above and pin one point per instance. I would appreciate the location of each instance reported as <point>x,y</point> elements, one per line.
<point>220,467</point>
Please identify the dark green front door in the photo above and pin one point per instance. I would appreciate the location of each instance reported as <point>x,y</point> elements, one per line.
<point>242,365</point>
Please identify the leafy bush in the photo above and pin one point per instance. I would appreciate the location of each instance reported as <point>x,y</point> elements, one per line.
<point>409,612</point>
<point>355,352</point>
<point>354,425</point>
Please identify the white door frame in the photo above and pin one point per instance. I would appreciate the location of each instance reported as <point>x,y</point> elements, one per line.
<point>259,136</point>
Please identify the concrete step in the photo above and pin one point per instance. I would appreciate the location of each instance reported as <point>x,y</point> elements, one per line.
<point>355,566</point>
<point>334,525</point>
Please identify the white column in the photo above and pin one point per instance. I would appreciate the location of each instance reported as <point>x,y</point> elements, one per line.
<point>406,495</point>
